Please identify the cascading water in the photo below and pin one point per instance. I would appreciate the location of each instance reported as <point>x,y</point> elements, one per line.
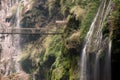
<point>17,37</point>
<point>97,66</point>
<point>83,73</point>
<point>90,69</point>
<point>9,62</point>
<point>107,68</point>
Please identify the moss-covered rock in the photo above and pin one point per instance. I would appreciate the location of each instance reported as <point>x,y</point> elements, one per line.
<point>57,57</point>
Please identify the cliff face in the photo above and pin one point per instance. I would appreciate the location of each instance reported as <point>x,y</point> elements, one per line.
<point>9,55</point>
<point>53,57</point>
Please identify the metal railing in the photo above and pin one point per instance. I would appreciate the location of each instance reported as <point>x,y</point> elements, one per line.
<point>28,31</point>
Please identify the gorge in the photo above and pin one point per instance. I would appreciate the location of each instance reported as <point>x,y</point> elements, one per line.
<point>86,47</point>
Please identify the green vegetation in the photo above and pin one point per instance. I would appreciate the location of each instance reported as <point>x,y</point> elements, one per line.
<point>115,24</point>
<point>91,11</point>
<point>57,57</point>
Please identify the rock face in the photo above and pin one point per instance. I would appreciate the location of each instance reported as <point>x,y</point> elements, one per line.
<point>9,43</point>
<point>19,13</point>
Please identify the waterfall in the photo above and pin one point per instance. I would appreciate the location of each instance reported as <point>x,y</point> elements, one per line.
<point>17,37</point>
<point>97,66</point>
<point>93,45</point>
<point>83,73</point>
<point>10,43</point>
<point>107,68</point>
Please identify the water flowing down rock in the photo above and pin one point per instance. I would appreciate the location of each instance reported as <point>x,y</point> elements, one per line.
<point>93,46</point>
<point>10,43</point>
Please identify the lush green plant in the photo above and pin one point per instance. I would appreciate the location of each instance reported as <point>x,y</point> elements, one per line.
<point>91,11</point>
<point>54,57</point>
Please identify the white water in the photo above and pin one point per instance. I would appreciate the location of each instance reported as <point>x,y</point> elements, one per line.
<point>93,45</point>
<point>83,73</point>
<point>97,66</point>
<point>17,37</point>
<point>107,68</point>
<point>11,50</point>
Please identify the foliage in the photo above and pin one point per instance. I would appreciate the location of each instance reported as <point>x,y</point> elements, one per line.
<point>115,15</point>
<point>91,11</point>
<point>58,54</point>
<point>78,12</point>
